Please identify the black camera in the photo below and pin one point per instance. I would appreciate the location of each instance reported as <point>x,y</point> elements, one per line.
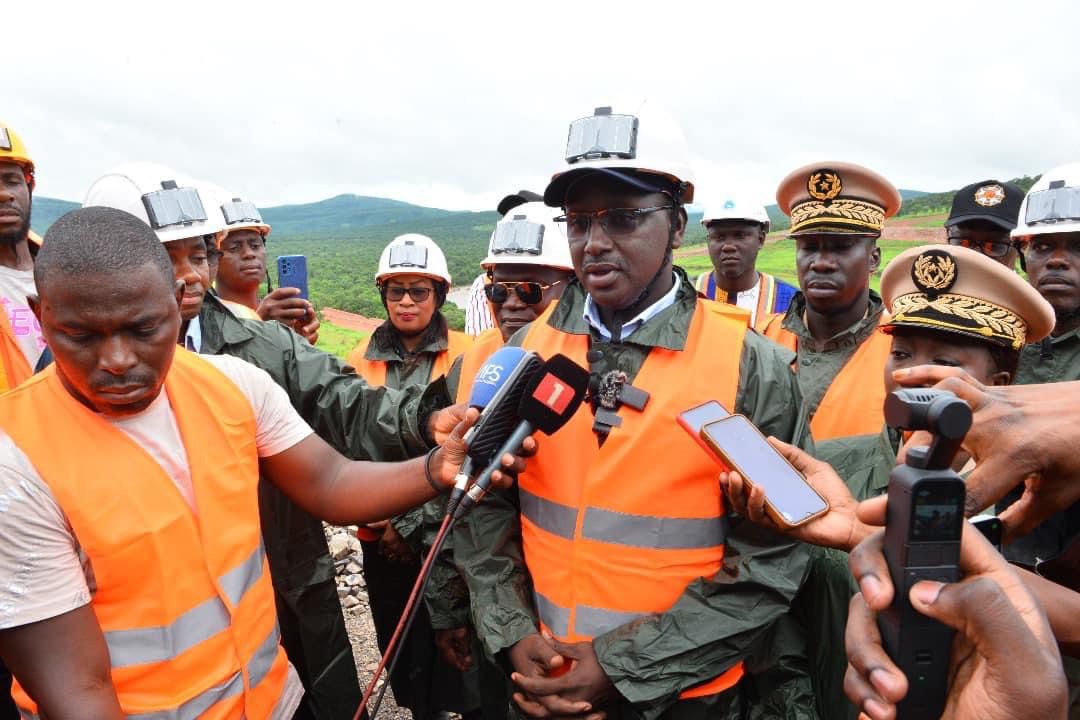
<point>923,524</point>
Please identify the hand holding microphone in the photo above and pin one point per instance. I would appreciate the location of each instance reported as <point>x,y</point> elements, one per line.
<point>496,393</point>
<point>552,395</point>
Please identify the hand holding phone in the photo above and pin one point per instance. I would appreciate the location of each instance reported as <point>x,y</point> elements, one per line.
<point>789,500</point>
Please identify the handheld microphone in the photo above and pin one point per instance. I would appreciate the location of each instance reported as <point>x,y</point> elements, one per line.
<point>551,398</point>
<point>497,392</point>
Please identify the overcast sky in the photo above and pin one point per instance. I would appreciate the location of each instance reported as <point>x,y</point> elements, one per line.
<point>454,104</point>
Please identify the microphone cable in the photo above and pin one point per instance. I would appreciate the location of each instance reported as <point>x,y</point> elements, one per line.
<point>408,615</point>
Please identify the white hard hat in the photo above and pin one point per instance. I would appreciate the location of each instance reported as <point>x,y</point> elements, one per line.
<point>413,254</point>
<point>167,201</point>
<point>529,235</point>
<point>1052,205</point>
<point>648,142</point>
<point>735,209</point>
<point>236,213</point>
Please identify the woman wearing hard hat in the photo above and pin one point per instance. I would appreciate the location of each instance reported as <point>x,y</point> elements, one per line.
<point>412,347</point>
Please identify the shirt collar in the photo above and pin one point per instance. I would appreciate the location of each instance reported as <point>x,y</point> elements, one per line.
<point>193,337</point>
<point>591,313</point>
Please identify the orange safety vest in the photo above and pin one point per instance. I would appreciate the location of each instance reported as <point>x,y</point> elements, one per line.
<point>485,344</point>
<point>184,599</point>
<point>605,542</point>
<point>14,367</point>
<point>374,371</point>
<point>854,404</point>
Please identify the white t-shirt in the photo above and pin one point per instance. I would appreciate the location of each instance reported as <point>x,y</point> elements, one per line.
<point>43,572</point>
<point>748,299</point>
<point>15,285</point>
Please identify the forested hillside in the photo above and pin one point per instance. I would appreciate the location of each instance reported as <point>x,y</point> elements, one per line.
<point>343,236</point>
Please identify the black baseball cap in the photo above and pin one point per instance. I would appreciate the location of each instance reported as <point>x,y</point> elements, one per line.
<point>991,200</point>
<point>646,182</point>
<point>521,197</point>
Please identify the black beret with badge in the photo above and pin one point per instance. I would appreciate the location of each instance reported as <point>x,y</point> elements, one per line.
<point>990,200</point>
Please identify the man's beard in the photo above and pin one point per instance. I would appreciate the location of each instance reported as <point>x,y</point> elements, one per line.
<point>14,237</point>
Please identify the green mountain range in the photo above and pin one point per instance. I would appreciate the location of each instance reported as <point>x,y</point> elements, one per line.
<point>344,235</point>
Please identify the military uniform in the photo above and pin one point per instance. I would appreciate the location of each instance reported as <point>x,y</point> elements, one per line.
<point>716,622</point>
<point>359,421</point>
<point>837,375</point>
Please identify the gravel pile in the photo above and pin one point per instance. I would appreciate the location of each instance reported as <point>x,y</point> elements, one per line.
<point>352,591</point>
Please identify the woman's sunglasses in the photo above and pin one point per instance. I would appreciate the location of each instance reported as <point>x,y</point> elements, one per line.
<point>394,293</point>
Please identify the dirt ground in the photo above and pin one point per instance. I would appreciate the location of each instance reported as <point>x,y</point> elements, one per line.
<point>349,320</point>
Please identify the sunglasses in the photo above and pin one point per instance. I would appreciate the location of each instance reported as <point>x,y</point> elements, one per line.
<point>616,222</point>
<point>990,248</point>
<point>529,293</point>
<point>394,293</point>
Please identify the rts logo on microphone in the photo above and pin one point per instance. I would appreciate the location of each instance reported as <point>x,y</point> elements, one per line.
<point>490,374</point>
<point>554,393</point>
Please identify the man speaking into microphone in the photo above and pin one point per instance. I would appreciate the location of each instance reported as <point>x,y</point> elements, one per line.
<point>611,579</point>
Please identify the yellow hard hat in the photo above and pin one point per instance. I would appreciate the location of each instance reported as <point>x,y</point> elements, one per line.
<point>13,150</point>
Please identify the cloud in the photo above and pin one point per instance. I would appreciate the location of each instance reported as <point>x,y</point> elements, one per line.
<point>453,105</point>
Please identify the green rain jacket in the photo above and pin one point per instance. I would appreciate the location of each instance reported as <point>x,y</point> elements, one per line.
<point>717,621</point>
<point>359,421</point>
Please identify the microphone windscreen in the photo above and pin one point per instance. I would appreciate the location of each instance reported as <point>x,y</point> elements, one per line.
<point>499,418</point>
<point>554,395</point>
<point>493,374</point>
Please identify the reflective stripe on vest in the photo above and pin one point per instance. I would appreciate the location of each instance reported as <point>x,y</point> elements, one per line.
<point>257,668</point>
<point>605,542</point>
<point>184,599</point>
<point>645,531</point>
<point>374,371</point>
<point>202,622</point>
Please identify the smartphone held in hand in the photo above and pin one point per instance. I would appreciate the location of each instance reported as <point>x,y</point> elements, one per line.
<point>789,499</point>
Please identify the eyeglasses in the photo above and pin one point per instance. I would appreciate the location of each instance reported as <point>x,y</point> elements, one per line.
<point>990,248</point>
<point>616,222</point>
<point>395,293</point>
<point>529,293</point>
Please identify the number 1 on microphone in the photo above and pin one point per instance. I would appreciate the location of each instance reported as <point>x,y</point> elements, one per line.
<point>552,392</point>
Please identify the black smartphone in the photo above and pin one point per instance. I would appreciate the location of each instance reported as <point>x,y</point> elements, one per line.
<point>789,499</point>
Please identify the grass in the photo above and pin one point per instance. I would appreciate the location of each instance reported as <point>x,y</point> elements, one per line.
<point>778,259</point>
<point>338,340</point>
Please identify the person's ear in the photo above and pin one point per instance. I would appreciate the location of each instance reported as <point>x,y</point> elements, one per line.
<point>678,227</point>
<point>1002,377</point>
<point>875,257</point>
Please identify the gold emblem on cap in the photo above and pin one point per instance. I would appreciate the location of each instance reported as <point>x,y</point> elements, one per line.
<point>973,316</point>
<point>934,272</point>
<point>990,195</point>
<point>824,185</point>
